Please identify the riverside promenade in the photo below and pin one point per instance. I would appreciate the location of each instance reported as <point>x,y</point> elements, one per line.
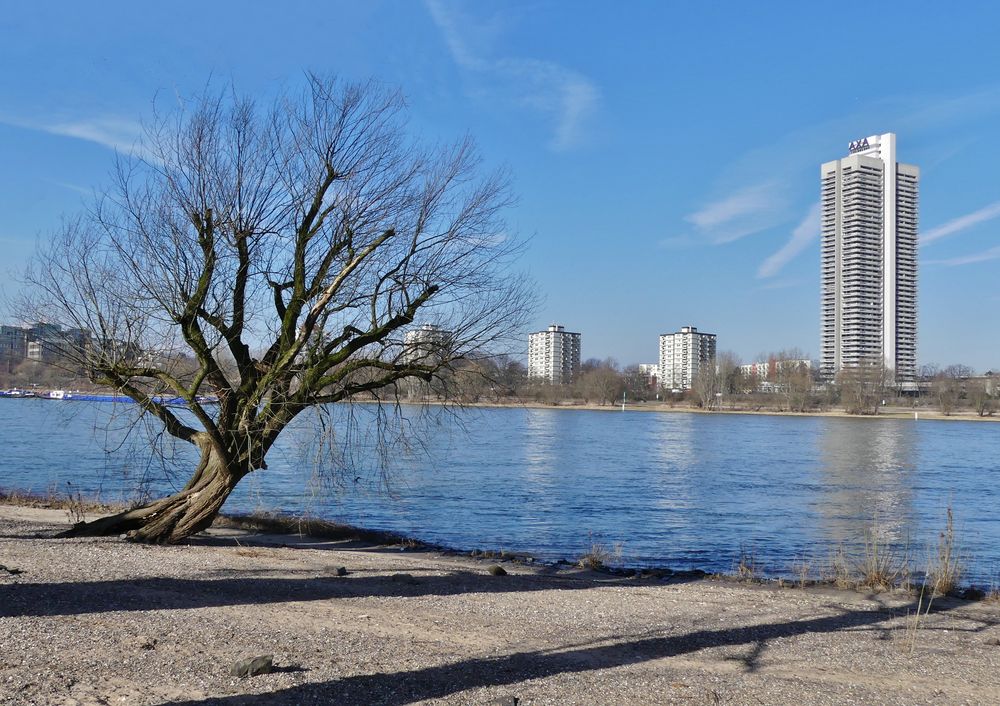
<point>94,621</point>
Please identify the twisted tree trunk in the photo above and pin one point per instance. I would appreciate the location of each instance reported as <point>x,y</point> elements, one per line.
<point>174,518</point>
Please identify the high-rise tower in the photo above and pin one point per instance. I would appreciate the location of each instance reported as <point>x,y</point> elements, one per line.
<point>869,259</point>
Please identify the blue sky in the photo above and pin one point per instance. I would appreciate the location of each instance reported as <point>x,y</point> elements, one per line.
<point>666,155</point>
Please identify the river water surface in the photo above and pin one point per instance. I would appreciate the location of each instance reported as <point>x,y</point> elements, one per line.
<point>676,489</point>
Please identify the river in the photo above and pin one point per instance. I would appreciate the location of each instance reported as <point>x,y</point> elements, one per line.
<point>675,489</point>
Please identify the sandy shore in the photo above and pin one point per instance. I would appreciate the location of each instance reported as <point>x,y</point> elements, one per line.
<point>919,414</point>
<point>99,621</point>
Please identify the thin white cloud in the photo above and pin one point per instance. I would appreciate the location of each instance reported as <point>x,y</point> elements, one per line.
<point>566,96</point>
<point>73,187</point>
<point>957,225</point>
<point>114,133</point>
<point>991,254</point>
<point>804,233</point>
<point>745,212</point>
<point>742,203</point>
<point>108,131</point>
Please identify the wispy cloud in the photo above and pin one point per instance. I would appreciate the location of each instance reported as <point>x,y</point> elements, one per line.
<point>957,225</point>
<point>72,187</point>
<point>742,213</point>
<point>918,113</point>
<point>114,133</point>
<point>991,254</point>
<point>108,131</point>
<point>566,96</point>
<point>804,233</point>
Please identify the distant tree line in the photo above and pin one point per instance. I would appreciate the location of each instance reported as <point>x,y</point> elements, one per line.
<point>787,385</point>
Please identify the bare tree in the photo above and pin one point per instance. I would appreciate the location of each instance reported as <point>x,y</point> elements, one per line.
<point>636,383</point>
<point>947,387</point>
<point>946,390</point>
<point>285,251</point>
<point>979,397</point>
<point>862,386</point>
<point>602,383</point>
<point>792,379</point>
<point>706,385</point>
<point>730,377</point>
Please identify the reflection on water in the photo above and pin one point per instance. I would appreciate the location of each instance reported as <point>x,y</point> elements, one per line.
<point>679,489</point>
<point>540,447</point>
<point>672,475</point>
<point>867,468</point>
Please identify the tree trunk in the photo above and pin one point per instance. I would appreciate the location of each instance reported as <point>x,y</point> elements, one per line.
<point>174,518</point>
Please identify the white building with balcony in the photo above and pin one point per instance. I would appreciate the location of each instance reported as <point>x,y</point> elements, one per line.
<point>869,259</point>
<point>682,355</point>
<point>554,355</point>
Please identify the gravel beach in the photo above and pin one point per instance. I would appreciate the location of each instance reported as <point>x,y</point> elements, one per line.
<point>101,621</point>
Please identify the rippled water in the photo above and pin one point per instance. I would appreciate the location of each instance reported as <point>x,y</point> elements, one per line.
<point>677,489</point>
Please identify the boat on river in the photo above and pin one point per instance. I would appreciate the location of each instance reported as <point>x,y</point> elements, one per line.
<point>17,393</point>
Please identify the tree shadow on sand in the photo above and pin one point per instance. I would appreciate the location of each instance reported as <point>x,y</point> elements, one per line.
<point>167,593</point>
<point>618,651</point>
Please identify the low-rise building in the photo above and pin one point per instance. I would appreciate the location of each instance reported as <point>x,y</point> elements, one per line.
<point>652,373</point>
<point>771,375</point>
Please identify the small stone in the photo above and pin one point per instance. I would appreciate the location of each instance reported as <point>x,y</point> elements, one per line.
<point>995,641</point>
<point>263,664</point>
<point>404,578</point>
<point>505,701</point>
<point>145,643</point>
<point>497,570</point>
<point>342,571</point>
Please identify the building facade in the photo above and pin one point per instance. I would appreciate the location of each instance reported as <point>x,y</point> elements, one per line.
<point>426,345</point>
<point>682,354</point>
<point>651,371</point>
<point>13,347</point>
<point>869,260</point>
<point>772,375</point>
<point>554,355</point>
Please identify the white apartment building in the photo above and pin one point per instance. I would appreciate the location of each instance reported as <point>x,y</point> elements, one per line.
<point>651,371</point>
<point>869,259</point>
<point>426,344</point>
<point>681,356</point>
<point>771,368</point>
<point>554,355</point>
<point>770,375</point>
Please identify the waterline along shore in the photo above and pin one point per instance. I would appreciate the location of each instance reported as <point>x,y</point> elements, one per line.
<point>919,414</point>
<point>893,570</point>
<point>887,412</point>
<point>89,621</point>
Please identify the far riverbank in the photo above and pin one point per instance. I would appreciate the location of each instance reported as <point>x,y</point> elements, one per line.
<point>888,412</point>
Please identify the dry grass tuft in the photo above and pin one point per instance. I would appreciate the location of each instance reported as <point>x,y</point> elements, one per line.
<point>601,556</point>
<point>838,570</point>
<point>746,567</point>
<point>881,568</point>
<point>946,568</point>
